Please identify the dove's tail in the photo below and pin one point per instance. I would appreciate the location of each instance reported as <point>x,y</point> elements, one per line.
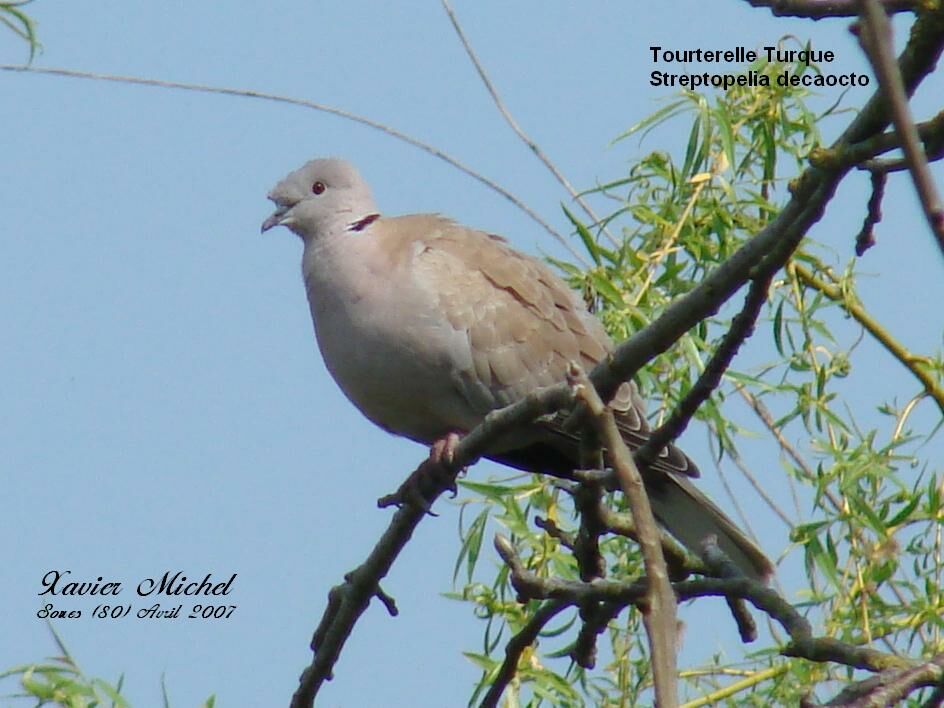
<point>691,517</point>
<point>684,511</point>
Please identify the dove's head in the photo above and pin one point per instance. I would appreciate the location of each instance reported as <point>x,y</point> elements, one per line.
<point>319,198</point>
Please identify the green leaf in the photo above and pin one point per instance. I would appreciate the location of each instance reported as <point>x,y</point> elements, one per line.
<point>660,116</point>
<point>692,148</point>
<point>602,286</point>
<point>589,243</point>
<point>905,512</point>
<point>726,133</point>
<point>471,546</point>
<point>778,328</point>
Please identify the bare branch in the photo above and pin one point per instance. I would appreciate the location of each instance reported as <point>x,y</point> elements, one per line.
<point>891,686</point>
<point>933,147</point>
<point>347,602</point>
<point>719,565</point>
<point>802,645</point>
<point>865,239</point>
<point>659,611</point>
<point>588,498</point>
<point>519,131</point>
<point>822,9</point>
<point>741,328</point>
<point>860,153</point>
<point>875,36</point>
<point>596,618</point>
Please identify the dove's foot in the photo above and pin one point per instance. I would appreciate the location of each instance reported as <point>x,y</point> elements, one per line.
<point>443,451</point>
<point>434,476</point>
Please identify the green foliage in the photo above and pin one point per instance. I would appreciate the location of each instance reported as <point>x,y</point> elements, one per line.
<point>868,516</point>
<point>60,682</point>
<point>20,23</point>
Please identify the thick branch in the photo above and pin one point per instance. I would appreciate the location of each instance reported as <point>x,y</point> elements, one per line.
<point>348,601</point>
<point>659,610</point>
<point>892,685</point>
<point>516,647</point>
<point>802,645</point>
<point>821,9</point>
<point>861,153</point>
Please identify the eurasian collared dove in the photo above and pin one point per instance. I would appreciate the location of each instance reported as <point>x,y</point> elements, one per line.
<point>427,326</point>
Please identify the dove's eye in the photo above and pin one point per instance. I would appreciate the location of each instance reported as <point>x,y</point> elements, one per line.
<point>318,187</point>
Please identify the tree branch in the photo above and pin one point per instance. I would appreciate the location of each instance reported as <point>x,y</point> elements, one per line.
<point>741,328</point>
<point>518,130</point>
<point>659,610</point>
<point>876,40</point>
<point>347,602</point>
<point>802,642</point>
<point>516,647</point>
<point>347,115</point>
<point>822,9</point>
<point>850,303</point>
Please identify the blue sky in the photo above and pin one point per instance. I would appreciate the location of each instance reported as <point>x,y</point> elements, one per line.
<point>165,407</point>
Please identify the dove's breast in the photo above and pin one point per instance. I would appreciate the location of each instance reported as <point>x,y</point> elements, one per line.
<point>390,350</point>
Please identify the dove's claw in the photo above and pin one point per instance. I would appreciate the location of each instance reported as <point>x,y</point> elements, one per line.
<point>443,451</point>
<point>434,476</point>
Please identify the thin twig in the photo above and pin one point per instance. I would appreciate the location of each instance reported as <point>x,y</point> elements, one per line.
<point>850,303</point>
<point>519,131</point>
<point>751,478</point>
<point>743,521</point>
<point>932,153</point>
<point>741,328</point>
<point>865,239</point>
<point>347,115</point>
<point>762,412</point>
<point>876,39</point>
<point>721,566</point>
<point>550,527</point>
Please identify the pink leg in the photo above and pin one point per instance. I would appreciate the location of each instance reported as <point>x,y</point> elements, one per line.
<point>435,474</point>
<point>443,450</point>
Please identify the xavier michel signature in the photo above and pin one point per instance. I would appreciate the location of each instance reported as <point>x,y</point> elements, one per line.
<point>170,585</point>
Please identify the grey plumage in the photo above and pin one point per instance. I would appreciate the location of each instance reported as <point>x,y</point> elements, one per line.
<point>427,326</point>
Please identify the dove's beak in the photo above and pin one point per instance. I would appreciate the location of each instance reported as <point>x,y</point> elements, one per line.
<point>279,217</point>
